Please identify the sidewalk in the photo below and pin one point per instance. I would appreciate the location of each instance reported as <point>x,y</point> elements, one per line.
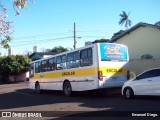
<point>4,88</point>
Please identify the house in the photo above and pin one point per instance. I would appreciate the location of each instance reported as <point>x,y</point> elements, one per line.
<point>38,55</point>
<point>143,40</point>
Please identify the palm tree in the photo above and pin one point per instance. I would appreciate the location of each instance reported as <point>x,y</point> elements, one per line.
<point>124,19</point>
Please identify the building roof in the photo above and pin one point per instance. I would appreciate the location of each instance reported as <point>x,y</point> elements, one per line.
<point>38,55</point>
<point>141,24</point>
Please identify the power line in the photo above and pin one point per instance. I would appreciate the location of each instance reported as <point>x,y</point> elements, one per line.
<point>57,34</point>
<point>55,40</point>
<point>37,38</point>
<point>52,39</point>
<point>42,35</point>
<point>40,41</point>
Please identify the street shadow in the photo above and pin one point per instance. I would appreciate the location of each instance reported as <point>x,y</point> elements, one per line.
<point>28,97</point>
<point>110,102</point>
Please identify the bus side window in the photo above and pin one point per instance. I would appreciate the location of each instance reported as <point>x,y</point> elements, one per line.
<point>51,64</point>
<point>58,63</point>
<point>70,60</point>
<point>73,60</point>
<point>31,70</point>
<point>90,58</point>
<point>77,59</point>
<point>86,57</point>
<point>43,66</point>
<point>83,57</point>
<point>61,62</point>
<point>37,67</point>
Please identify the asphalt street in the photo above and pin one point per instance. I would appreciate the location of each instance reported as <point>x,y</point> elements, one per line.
<point>18,97</point>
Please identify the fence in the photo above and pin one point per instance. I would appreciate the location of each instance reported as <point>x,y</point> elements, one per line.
<point>139,65</point>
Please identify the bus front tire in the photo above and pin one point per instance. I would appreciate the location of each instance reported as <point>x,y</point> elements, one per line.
<point>37,88</point>
<point>67,89</point>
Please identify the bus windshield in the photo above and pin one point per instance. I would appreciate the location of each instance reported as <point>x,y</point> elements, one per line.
<point>113,52</point>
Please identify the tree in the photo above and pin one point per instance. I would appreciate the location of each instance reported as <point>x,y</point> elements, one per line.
<point>124,19</point>
<point>6,27</point>
<point>13,65</point>
<point>146,56</point>
<point>117,33</point>
<point>20,4</point>
<point>102,40</point>
<point>59,49</point>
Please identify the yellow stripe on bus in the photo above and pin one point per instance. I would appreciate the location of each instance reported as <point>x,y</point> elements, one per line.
<point>67,73</point>
<point>80,72</point>
<point>112,70</point>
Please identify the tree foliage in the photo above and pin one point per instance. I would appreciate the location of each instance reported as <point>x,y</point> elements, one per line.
<point>13,65</point>
<point>102,40</point>
<point>6,27</point>
<point>59,49</point>
<point>20,4</point>
<point>125,19</point>
<point>117,33</point>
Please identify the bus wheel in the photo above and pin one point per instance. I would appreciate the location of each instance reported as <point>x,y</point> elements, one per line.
<point>67,89</point>
<point>37,88</point>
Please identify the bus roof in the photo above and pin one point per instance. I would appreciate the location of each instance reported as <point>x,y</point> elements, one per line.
<point>73,50</point>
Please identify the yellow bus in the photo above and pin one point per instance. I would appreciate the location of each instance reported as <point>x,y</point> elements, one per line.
<point>92,67</point>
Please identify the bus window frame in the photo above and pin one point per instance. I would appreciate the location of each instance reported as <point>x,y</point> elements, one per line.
<point>52,66</point>
<point>44,66</point>
<point>61,62</point>
<point>86,60</point>
<point>38,68</point>
<point>74,61</point>
<point>31,70</point>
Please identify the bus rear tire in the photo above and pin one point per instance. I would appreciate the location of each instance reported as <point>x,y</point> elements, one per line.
<point>67,89</point>
<point>37,88</point>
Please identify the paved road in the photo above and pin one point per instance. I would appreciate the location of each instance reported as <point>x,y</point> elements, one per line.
<point>17,97</point>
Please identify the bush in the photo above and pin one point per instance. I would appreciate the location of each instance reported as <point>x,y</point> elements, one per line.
<point>13,65</point>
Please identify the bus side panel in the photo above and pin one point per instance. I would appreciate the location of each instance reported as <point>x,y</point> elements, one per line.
<point>42,83</point>
<point>83,84</point>
<point>84,78</point>
<point>90,81</point>
<point>78,83</point>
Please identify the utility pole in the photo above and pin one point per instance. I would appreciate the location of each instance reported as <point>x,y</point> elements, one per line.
<point>74,36</point>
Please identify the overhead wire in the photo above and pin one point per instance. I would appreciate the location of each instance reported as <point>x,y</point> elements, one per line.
<point>42,35</point>
<point>38,39</point>
<point>56,40</point>
<point>49,40</point>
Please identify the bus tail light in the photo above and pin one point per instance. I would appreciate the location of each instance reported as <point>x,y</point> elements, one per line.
<point>100,75</point>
